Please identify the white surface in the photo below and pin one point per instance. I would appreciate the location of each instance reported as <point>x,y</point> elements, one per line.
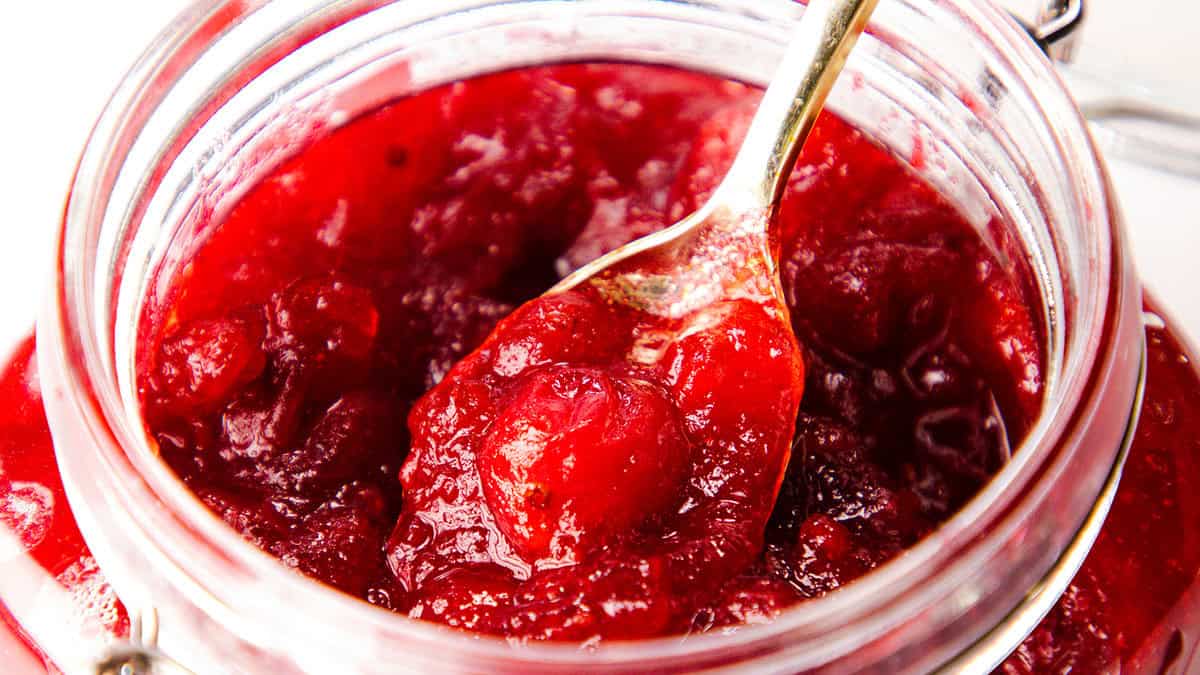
<point>59,61</point>
<point>1155,42</point>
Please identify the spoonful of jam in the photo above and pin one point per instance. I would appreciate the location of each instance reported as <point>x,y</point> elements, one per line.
<point>618,443</point>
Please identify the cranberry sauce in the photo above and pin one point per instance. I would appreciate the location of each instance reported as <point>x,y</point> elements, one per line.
<point>600,464</point>
<point>280,358</point>
<point>34,507</point>
<point>1135,605</point>
<point>1136,601</point>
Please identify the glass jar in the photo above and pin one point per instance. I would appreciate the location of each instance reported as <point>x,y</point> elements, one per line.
<point>234,87</point>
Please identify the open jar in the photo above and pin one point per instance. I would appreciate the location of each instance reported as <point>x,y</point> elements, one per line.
<point>233,89</point>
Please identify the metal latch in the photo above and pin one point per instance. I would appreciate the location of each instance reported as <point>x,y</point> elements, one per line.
<point>140,654</point>
<point>1053,25</point>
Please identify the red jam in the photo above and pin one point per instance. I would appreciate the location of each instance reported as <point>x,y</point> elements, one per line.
<point>33,506</point>
<point>591,470</point>
<point>1134,607</point>
<point>588,472</point>
<point>548,485</point>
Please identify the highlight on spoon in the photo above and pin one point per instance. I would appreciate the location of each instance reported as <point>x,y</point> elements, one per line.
<point>806,74</point>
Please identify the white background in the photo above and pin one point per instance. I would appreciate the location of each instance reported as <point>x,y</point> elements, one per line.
<point>59,61</point>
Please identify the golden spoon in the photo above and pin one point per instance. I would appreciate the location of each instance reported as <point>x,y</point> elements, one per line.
<point>728,249</point>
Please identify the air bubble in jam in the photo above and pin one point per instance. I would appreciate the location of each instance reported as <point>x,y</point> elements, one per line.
<point>96,605</point>
<point>27,509</point>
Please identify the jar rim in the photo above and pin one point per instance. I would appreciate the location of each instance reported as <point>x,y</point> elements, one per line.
<point>71,322</point>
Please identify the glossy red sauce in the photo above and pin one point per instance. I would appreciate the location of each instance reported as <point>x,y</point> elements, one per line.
<point>280,358</point>
<point>1135,605</point>
<point>34,507</point>
<point>593,471</point>
<point>282,354</point>
<point>1136,601</point>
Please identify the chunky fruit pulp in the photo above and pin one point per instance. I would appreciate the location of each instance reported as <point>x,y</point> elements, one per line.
<point>1134,607</point>
<point>279,356</point>
<point>605,469</point>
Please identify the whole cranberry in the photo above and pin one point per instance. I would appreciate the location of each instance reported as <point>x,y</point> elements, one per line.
<point>579,453</point>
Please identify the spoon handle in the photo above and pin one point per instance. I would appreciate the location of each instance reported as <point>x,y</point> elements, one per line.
<point>789,107</point>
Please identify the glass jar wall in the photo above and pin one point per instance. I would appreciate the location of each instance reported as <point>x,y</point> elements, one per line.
<point>231,91</point>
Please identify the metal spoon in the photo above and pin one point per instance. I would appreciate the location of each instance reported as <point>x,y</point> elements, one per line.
<point>728,249</point>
